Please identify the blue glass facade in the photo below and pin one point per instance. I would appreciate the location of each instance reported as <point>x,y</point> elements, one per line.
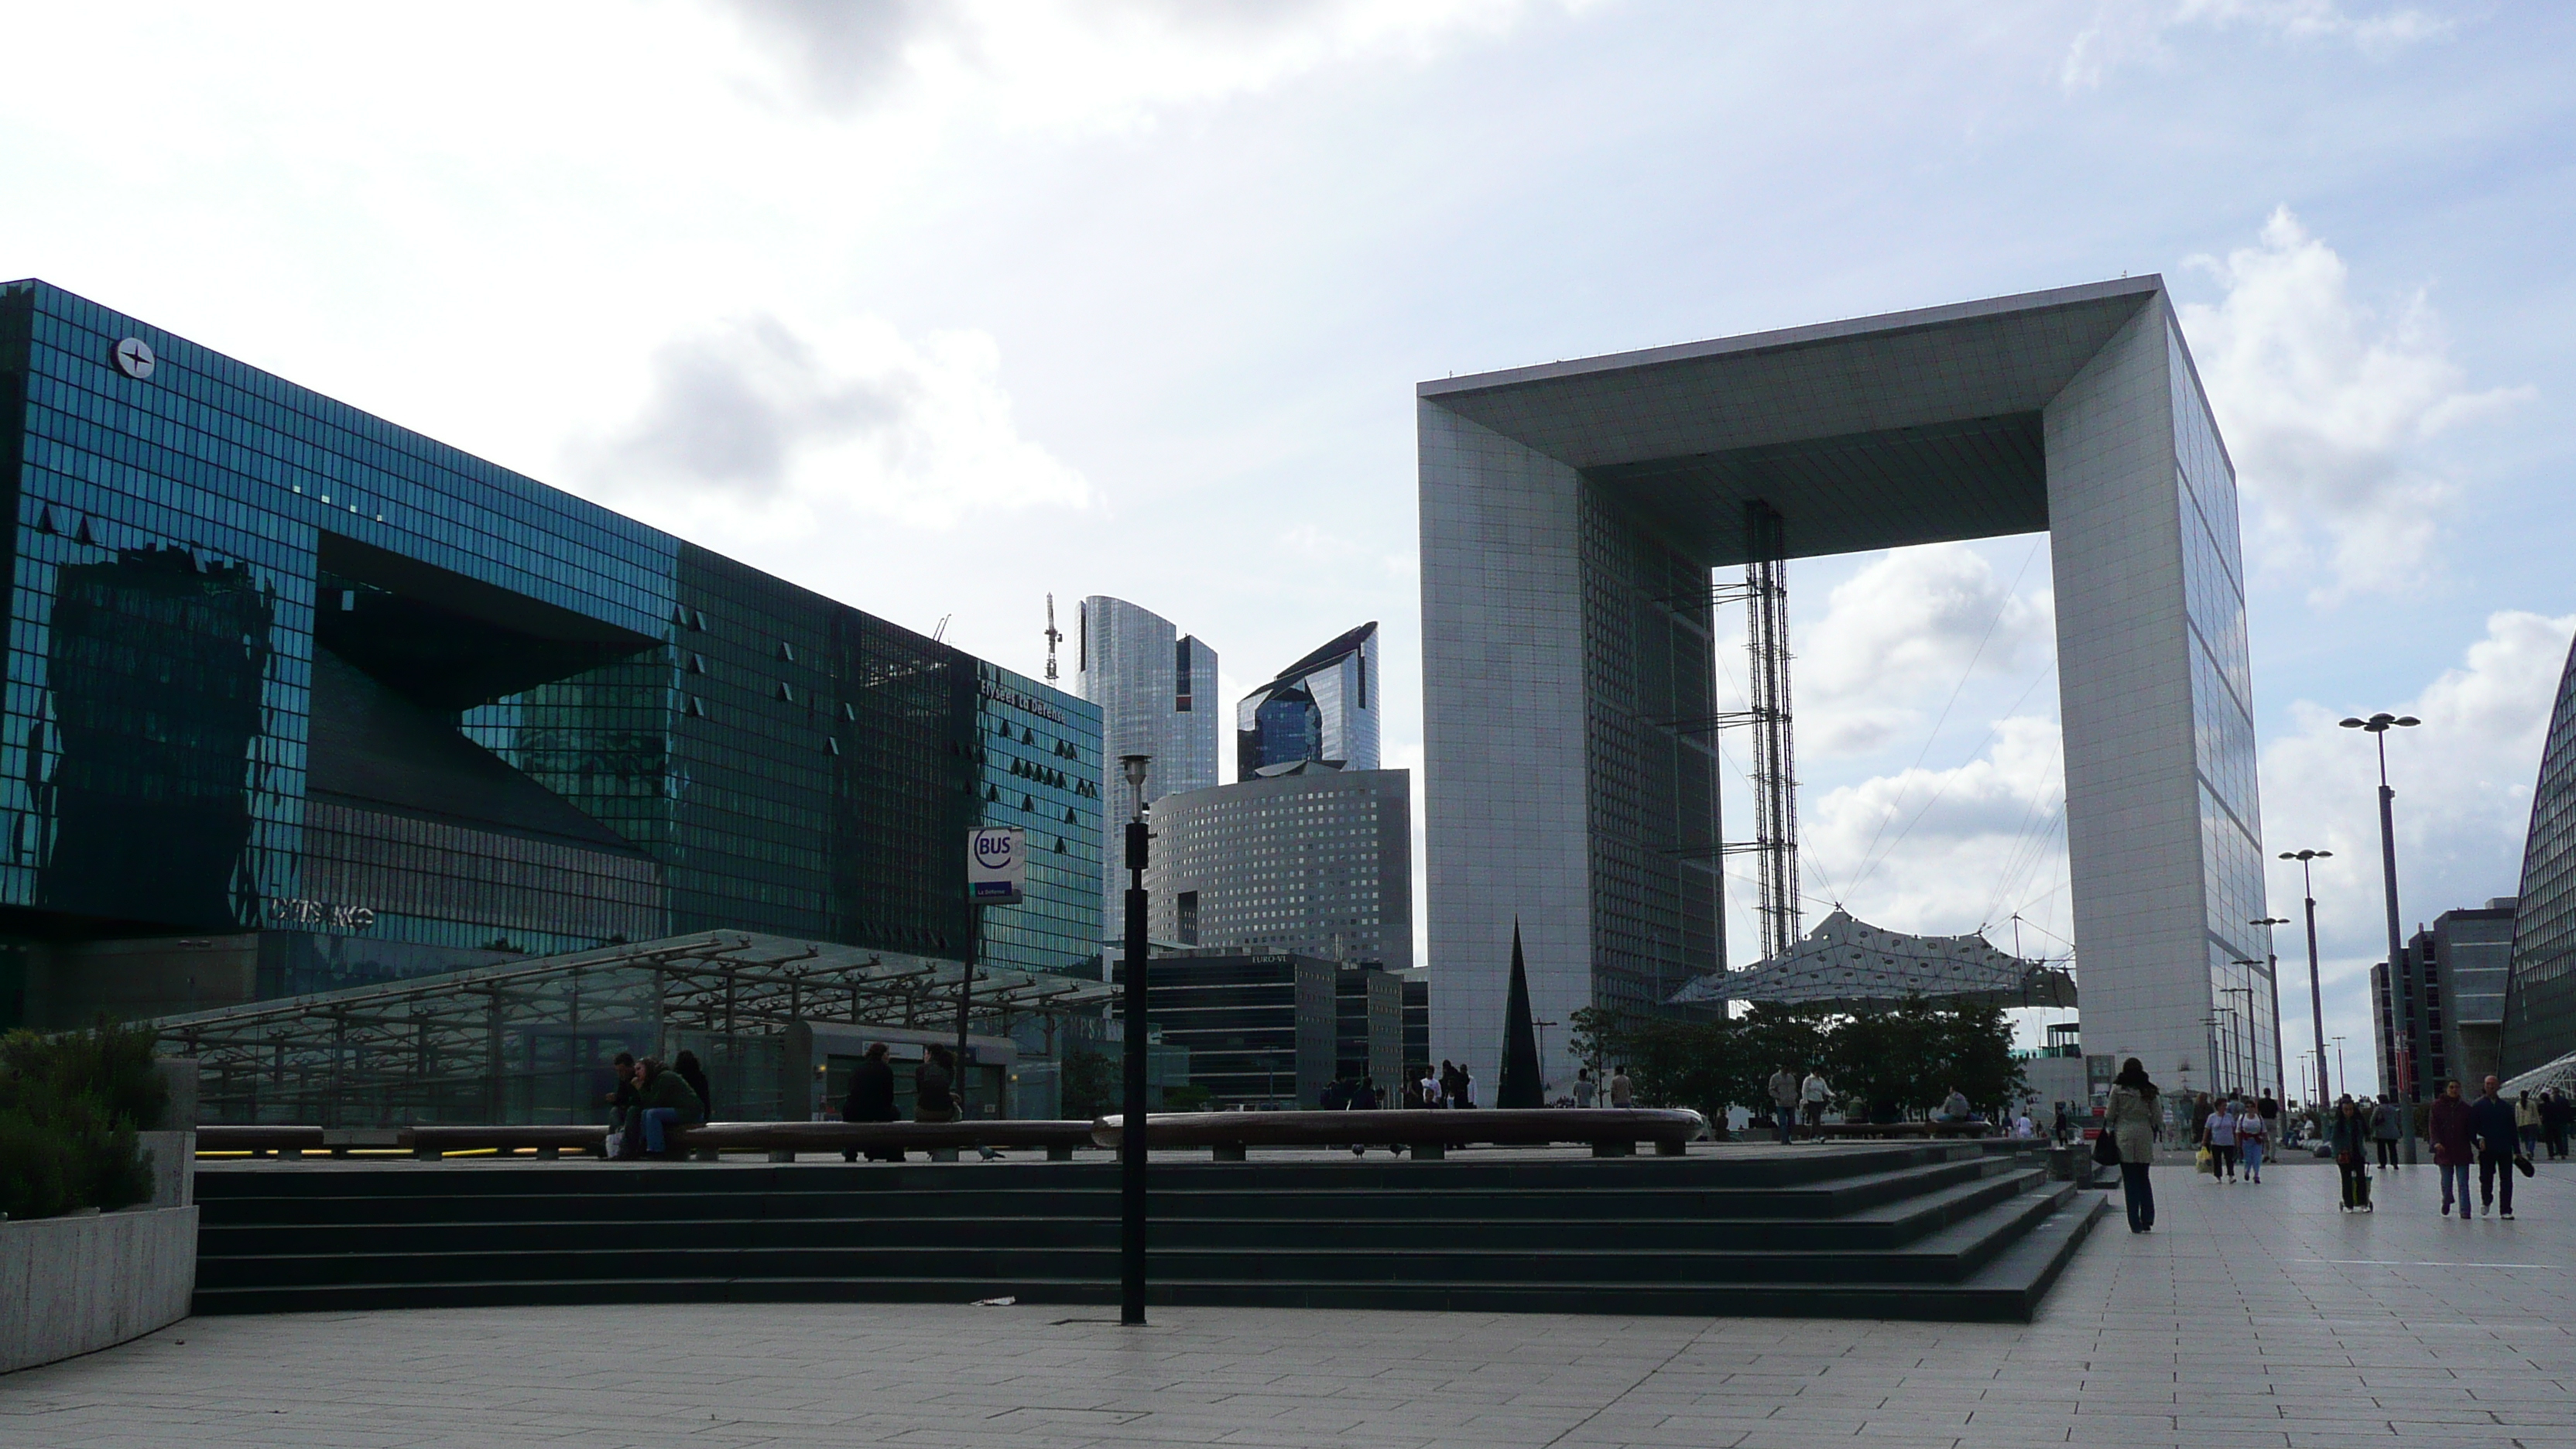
<point>285,674</point>
<point>2245,1039</point>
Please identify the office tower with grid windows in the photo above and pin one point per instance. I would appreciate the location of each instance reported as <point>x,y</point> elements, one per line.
<point>298,699</point>
<point>1313,860</point>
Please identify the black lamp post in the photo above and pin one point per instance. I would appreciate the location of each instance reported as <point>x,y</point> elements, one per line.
<point>2272,969</point>
<point>2249,1079</point>
<point>2307,860</point>
<point>1131,1141</point>
<point>2378,726</point>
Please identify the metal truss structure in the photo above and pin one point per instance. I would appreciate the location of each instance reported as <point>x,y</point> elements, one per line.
<point>1775,776</point>
<point>529,1041</point>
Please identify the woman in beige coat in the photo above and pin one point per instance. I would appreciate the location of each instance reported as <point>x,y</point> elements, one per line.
<point>2131,1121</point>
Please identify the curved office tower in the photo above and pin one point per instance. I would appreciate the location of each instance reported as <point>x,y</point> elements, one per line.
<point>1322,709</point>
<point>1571,514</point>
<point>1157,692</point>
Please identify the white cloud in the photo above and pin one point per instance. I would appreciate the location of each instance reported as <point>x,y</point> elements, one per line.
<point>2126,33</point>
<point>1089,66</point>
<point>2327,407</point>
<point>749,428</point>
<point>1905,632</point>
<point>1920,849</point>
<point>2463,781</point>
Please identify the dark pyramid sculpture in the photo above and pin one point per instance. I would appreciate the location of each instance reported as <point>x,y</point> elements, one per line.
<point>1520,1086</point>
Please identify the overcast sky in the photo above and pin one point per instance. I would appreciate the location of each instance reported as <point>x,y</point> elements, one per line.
<point>939,309</point>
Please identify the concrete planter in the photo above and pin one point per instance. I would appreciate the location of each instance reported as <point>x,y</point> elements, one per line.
<point>74,1284</point>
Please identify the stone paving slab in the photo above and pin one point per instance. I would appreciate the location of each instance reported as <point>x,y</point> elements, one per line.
<point>2253,1316</point>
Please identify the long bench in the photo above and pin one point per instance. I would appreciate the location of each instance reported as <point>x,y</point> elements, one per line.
<point>1426,1135</point>
<point>1859,1131</point>
<point>1609,1131</point>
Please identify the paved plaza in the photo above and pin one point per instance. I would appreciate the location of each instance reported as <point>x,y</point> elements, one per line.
<point>2253,1316</point>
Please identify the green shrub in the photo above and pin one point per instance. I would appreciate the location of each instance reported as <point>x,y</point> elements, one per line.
<point>70,1106</point>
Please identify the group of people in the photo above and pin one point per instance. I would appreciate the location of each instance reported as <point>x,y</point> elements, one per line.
<point>2487,1132</point>
<point>1793,1095</point>
<point>1452,1086</point>
<point>649,1099</point>
<point>871,1097</point>
<point>2236,1131</point>
<point>1619,1091</point>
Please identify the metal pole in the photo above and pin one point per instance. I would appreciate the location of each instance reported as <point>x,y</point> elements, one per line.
<point>2388,870</point>
<point>966,999</point>
<point>1131,1141</point>
<point>2316,992</point>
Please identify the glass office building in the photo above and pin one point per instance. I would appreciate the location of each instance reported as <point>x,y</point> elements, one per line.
<point>1156,692</point>
<point>298,699</point>
<point>1317,862</point>
<point>1320,709</point>
<point>2540,988</point>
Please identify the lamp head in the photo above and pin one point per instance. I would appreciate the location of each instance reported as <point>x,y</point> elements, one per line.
<point>1134,766</point>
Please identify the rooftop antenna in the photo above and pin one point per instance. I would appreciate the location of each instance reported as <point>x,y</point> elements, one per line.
<point>1054,636</point>
<point>941,632</point>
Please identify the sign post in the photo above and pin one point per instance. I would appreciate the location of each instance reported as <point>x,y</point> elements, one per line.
<point>997,874</point>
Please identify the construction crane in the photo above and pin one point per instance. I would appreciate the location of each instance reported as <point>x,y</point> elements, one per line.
<point>1054,636</point>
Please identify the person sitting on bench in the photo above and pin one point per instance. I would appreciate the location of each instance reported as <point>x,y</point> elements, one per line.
<point>664,1101</point>
<point>871,1099</point>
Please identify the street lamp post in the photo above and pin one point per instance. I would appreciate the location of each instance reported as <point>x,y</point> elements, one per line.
<point>2338,1046</point>
<point>1131,1140</point>
<point>2248,1078</point>
<point>2272,972</point>
<point>2307,860</point>
<point>2378,726</point>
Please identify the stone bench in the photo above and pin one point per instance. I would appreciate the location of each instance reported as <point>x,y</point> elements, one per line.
<point>1426,1134</point>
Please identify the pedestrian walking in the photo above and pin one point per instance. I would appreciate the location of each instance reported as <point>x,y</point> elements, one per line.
<point>2348,1137</point>
<point>2526,1118</point>
<point>1784,1102</point>
<point>1813,1094</point>
<point>2253,1137</point>
<point>2499,1140</point>
<point>2554,1114</point>
<point>1432,1090</point>
<point>2218,1134</point>
<point>1450,1090</point>
<point>1466,1088</point>
<point>2453,1150</point>
<point>1585,1089</point>
<point>2130,1122</point>
<point>1623,1093</point>
<point>2387,1120</point>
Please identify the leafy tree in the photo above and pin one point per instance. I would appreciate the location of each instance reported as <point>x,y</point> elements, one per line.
<point>1087,1087</point>
<point>1772,1036</point>
<point>70,1106</point>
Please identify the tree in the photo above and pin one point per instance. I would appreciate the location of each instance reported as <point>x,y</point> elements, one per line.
<point>1772,1036</point>
<point>1087,1085</point>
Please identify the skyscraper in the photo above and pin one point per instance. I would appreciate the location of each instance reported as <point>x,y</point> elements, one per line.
<point>1156,689</point>
<point>1322,708</point>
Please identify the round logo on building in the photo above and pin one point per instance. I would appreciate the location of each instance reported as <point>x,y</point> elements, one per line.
<point>134,358</point>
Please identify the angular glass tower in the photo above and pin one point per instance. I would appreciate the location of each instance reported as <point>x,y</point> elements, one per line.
<point>2540,988</point>
<point>1323,708</point>
<point>1571,514</point>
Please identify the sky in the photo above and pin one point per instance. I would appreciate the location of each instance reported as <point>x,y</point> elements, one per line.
<point>941,309</point>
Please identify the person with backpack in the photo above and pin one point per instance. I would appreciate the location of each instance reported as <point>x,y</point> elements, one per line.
<point>2387,1121</point>
<point>2253,1135</point>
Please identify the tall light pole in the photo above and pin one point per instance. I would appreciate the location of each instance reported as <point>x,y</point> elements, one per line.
<point>1131,1140</point>
<point>2378,726</point>
<point>2272,971</point>
<point>2307,860</point>
<point>2246,1058</point>
<point>2338,1045</point>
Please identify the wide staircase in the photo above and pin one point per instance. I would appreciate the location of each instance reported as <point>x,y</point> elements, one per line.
<point>1929,1231</point>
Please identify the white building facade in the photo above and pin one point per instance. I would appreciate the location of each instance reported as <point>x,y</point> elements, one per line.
<point>1571,517</point>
